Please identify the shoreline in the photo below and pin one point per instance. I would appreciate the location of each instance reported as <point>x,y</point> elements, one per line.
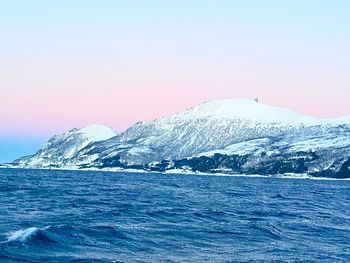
<point>176,172</point>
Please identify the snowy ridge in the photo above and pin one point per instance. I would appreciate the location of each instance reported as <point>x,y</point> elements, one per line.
<point>247,109</point>
<point>241,148</point>
<point>310,140</point>
<point>340,121</point>
<point>95,132</point>
<point>60,149</point>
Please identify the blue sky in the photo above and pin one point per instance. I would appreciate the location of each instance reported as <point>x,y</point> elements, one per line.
<point>14,147</point>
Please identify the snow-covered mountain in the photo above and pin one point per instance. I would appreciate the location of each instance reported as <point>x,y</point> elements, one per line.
<point>239,127</point>
<point>246,109</point>
<point>315,151</point>
<point>60,149</point>
<point>208,126</point>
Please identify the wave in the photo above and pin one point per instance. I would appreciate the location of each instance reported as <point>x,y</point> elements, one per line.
<point>30,234</point>
<point>22,235</point>
<point>279,196</point>
<point>64,235</point>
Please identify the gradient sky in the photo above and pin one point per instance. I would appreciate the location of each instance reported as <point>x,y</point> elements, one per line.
<point>66,64</point>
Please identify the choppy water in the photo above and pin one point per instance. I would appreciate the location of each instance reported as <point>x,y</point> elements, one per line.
<point>58,216</point>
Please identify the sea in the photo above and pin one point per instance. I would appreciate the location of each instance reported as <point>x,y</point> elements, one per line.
<point>93,216</point>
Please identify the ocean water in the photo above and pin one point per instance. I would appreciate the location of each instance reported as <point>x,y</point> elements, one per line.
<point>76,216</point>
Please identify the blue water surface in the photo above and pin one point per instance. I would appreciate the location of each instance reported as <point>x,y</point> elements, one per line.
<point>80,216</point>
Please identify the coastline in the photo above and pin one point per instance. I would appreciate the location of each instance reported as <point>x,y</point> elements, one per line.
<point>177,172</point>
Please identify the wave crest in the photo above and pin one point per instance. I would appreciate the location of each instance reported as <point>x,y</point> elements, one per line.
<point>24,235</point>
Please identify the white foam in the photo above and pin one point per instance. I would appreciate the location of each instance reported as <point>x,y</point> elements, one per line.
<point>22,235</point>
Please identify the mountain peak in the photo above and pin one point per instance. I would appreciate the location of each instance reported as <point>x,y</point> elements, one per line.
<point>249,109</point>
<point>96,132</point>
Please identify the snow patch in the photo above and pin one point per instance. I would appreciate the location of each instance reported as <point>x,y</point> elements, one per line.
<point>97,132</point>
<point>241,148</point>
<point>313,144</point>
<point>341,120</point>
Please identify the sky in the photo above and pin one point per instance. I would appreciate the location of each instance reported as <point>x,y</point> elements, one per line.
<point>66,64</point>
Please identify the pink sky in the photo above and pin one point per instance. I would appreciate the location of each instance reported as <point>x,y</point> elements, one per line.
<point>116,63</point>
<point>60,103</point>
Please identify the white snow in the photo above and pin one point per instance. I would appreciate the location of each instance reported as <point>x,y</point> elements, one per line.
<point>63,147</point>
<point>341,120</point>
<point>247,109</point>
<point>97,132</point>
<point>240,148</point>
<point>323,142</point>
